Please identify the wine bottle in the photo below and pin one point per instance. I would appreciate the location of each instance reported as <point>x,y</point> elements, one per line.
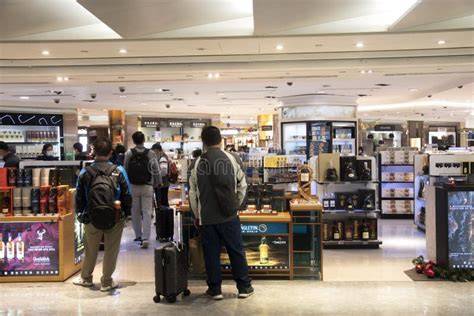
<point>365,231</point>
<point>263,250</point>
<point>20,248</point>
<point>331,173</point>
<point>336,234</point>
<point>10,248</point>
<point>2,249</point>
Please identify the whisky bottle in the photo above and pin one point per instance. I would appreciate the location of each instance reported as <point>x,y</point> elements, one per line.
<point>350,174</point>
<point>373,230</point>
<point>348,231</point>
<point>251,199</point>
<point>263,250</point>
<point>365,231</point>
<point>266,200</point>
<point>368,202</point>
<point>20,248</point>
<point>331,173</point>
<point>349,204</point>
<point>336,234</point>
<point>10,248</point>
<point>356,230</point>
<point>2,248</point>
<point>366,173</point>
<point>304,175</point>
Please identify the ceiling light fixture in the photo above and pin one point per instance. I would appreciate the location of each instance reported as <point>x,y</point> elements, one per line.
<point>45,52</point>
<point>362,71</point>
<point>217,75</point>
<point>159,90</point>
<point>369,71</point>
<point>59,78</point>
<point>413,90</point>
<point>441,42</point>
<point>213,75</point>
<point>66,78</point>
<point>123,96</point>
<point>279,47</point>
<point>210,76</point>
<point>360,45</point>
<point>24,97</point>
<point>320,92</point>
<point>123,51</point>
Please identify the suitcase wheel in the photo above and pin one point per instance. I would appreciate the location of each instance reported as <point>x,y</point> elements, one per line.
<point>187,292</point>
<point>171,298</point>
<point>156,299</point>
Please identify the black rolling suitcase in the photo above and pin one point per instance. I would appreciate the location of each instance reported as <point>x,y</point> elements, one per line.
<point>171,268</point>
<point>164,223</point>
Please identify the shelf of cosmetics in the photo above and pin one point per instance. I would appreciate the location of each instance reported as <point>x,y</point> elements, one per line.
<point>399,155</point>
<point>360,200</point>
<point>44,200</point>
<point>334,167</point>
<point>11,136</point>
<point>350,230</point>
<point>265,199</point>
<point>36,177</point>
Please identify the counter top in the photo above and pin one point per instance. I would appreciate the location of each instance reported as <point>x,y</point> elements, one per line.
<point>32,218</point>
<point>281,217</point>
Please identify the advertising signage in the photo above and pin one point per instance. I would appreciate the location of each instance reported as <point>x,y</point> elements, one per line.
<point>29,249</point>
<point>172,123</point>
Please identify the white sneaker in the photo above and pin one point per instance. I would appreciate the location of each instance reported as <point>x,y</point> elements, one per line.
<point>81,282</point>
<point>145,243</point>
<point>111,287</point>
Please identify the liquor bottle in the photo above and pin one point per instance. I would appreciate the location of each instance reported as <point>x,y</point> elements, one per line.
<point>52,200</point>
<point>35,201</point>
<point>266,199</point>
<point>368,202</point>
<point>20,179</point>
<point>336,234</point>
<point>356,230</point>
<point>263,250</point>
<point>373,230</point>
<point>43,200</point>
<point>2,248</point>
<point>304,175</point>
<point>259,203</point>
<point>325,231</point>
<point>349,204</point>
<point>365,231</point>
<point>366,173</point>
<point>349,231</point>
<point>10,248</point>
<point>251,198</point>
<point>331,173</point>
<point>12,177</point>
<point>6,202</point>
<point>20,248</point>
<point>350,173</point>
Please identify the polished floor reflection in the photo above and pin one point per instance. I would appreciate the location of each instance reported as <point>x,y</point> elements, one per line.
<point>352,286</point>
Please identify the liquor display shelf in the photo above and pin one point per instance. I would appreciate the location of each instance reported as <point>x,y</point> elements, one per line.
<point>347,182</point>
<point>396,216</point>
<point>397,198</point>
<point>352,243</point>
<point>31,218</point>
<point>366,213</point>
<point>396,181</point>
<point>397,164</point>
<point>34,143</point>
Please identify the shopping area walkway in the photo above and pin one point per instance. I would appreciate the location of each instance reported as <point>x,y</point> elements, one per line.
<point>357,282</point>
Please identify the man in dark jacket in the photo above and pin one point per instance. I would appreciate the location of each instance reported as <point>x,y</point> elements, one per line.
<point>218,226</point>
<point>93,236</point>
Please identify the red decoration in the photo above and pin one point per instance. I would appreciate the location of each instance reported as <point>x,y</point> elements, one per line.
<point>419,268</point>
<point>430,273</point>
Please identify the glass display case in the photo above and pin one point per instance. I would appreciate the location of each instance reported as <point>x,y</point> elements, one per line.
<point>294,138</point>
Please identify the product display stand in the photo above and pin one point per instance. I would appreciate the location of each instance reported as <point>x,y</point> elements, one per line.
<point>396,190</point>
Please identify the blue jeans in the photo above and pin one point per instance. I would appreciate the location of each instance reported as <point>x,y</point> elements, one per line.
<point>229,234</point>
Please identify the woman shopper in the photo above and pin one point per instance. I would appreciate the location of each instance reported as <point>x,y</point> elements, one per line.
<point>161,193</point>
<point>47,153</point>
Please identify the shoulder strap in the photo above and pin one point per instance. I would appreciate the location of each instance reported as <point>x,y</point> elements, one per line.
<point>134,151</point>
<point>110,170</point>
<point>146,151</point>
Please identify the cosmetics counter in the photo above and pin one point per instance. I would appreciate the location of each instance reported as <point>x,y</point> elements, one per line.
<point>281,239</point>
<point>40,239</point>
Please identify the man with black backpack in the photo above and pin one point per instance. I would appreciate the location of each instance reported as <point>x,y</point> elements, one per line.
<point>144,173</point>
<point>103,200</point>
<point>217,190</point>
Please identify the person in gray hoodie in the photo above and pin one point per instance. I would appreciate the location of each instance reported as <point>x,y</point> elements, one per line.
<point>144,173</point>
<point>217,190</point>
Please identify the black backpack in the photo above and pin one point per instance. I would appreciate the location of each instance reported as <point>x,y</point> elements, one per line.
<point>226,197</point>
<point>101,197</point>
<point>138,172</point>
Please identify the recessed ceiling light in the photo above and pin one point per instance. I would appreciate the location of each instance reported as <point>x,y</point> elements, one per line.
<point>261,109</point>
<point>279,47</point>
<point>200,48</point>
<point>120,77</point>
<point>326,85</point>
<point>369,71</point>
<point>143,103</point>
<point>451,114</point>
<point>413,90</point>
<point>217,75</point>
<point>360,45</point>
<point>24,97</point>
<point>227,102</point>
<point>441,42</point>
<point>362,71</point>
<point>159,90</point>
<point>84,51</point>
<point>318,45</point>
<point>210,76</point>
<point>320,92</point>
<point>123,51</point>
<point>45,52</point>
<point>66,78</point>
<point>123,96</point>
<point>220,93</point>
<point>59,78</point>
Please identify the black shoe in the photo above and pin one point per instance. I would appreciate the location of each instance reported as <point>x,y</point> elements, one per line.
<point>214,294</point>
<point>246,292</point>
<point>138,240</point>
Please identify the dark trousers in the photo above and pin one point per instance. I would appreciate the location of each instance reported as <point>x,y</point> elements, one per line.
<point>229,234</point>
<point>161,196</point>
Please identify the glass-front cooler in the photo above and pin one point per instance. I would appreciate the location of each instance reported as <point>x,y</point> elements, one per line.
<point>344,138</point>
<point>294,138</point>
<point>320,138</point>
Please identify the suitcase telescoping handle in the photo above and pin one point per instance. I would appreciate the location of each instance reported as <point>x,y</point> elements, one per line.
<point>178,231</point>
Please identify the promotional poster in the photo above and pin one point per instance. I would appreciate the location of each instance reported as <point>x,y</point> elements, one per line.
<point>78,241</point>
<point>29,249</point>
<point>460,229</point>
<point>266,247</point>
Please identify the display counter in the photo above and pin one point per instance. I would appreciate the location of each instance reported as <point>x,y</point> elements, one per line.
<point>270,241</point>
<point>39,248</point>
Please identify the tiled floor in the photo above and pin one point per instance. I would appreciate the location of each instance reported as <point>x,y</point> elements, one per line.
<point>357,282</point>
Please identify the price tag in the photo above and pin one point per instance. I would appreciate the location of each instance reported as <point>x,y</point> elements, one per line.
<point>340,243</point>
<point>365,243</point>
